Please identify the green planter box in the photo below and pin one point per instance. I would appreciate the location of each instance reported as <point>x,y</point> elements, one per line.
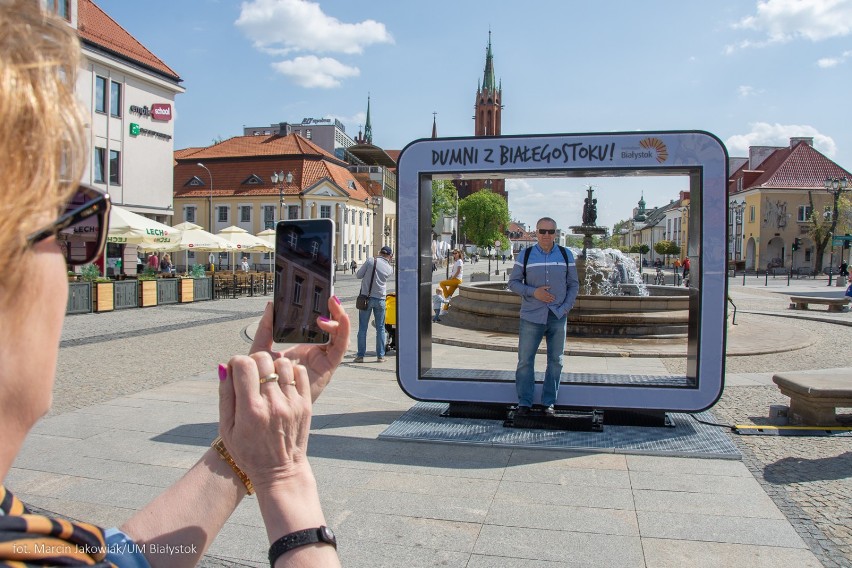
<point>203,289</point>
<point>167,291</point>
<point>126,294</point>
<point>79,298</point>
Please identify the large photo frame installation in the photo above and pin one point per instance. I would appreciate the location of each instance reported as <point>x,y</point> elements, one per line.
<point>699,156</point>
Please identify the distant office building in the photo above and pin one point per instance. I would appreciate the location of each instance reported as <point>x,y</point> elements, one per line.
<point>327,133</point>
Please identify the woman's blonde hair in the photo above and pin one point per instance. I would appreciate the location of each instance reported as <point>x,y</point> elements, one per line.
<point>42,137</point>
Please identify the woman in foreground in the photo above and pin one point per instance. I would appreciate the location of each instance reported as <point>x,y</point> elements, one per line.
<point>265,397</point>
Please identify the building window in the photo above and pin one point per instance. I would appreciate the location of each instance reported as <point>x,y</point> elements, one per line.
<point>804,213</point>
<point>325,211</point>
<point>245,213</point>
<point>315,246</point>
<point>189,213</point>
<point>292,211</point>
<point>100,165</point>
<point>114,167</point>
<point>292,239</point>
<point>268,216</point>
<point>100,94</point>
<point>297,290</point>
<point>751,214</point>
<point>317,298</point>
<point>222,213</point>
<point>352,249</point>
<point>367,220</point>
<point>308,134</point>
<point>360,218</point>
<point>60,7</point>
<point>115,99</point>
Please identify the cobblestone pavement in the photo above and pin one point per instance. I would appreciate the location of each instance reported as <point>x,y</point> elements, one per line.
<point>809,478</point>
<point>103,356</point>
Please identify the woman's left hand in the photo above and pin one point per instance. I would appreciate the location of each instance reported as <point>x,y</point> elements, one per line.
<point>320,360</point>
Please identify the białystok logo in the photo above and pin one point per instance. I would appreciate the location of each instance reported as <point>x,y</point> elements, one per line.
<point>657,146</point>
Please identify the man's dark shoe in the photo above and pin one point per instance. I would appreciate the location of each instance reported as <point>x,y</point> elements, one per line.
<point>549,410</point>
<point>522,411</point>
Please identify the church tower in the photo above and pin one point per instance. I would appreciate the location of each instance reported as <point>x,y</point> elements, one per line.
<point>489,98</point>
<point>488,111</point>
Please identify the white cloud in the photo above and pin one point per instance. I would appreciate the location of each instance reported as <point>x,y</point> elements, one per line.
<point>285,26</point>
<point>781,21</point>
<point>765,134</point>
<point>747,91</point>
<point>311,71</point>
<point>828,62</point>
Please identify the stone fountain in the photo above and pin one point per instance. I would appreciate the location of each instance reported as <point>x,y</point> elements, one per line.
<point>613,300</point>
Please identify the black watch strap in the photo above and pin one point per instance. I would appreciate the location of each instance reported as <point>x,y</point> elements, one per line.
<point>296,539</point>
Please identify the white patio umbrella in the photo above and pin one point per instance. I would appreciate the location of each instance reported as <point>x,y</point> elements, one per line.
<point>244,241</point>
<point>194,238</point>
<point>128,228</point>
<point>268,235</point>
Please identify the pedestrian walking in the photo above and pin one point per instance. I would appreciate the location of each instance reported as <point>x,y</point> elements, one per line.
<point>374,274</point>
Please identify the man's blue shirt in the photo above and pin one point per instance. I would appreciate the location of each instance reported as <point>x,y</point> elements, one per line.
<point>545,269</point>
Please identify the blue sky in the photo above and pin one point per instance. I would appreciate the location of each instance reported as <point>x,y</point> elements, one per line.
<point>750,72</point>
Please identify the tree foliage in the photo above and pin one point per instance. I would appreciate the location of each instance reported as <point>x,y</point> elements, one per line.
<point>666,248</point>
<point>821,226</point>
<point>444,199</point>
<point>486,215</point>
<point>641,249</point>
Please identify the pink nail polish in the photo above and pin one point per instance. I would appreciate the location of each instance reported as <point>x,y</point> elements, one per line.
<point>223,372</point>
<point>336,299</point>
<point>323,318</point>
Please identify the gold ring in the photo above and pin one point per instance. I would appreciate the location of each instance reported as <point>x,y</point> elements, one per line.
<point>292,383</point>
<point>273,377</point>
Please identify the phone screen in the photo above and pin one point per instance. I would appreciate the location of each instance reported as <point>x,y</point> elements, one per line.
<point>304,283</point>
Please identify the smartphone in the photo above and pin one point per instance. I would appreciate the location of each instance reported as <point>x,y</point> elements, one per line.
<point>304,251</point>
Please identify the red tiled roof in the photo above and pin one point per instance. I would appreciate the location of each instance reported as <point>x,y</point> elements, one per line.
<point>95,27</point>
<point>801,166</point>
<point>230,172</point>
<point>274,145</point>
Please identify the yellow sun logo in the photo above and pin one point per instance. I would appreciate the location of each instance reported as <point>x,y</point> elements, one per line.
<point>657,145</point>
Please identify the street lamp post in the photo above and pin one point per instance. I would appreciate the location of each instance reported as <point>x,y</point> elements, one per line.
<point>835,186</point>
<point>280,178</point>
<point>200,165</point>
<point>372,203</point>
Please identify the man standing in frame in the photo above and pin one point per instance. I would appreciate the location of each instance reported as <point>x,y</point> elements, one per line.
<point>545,277</point>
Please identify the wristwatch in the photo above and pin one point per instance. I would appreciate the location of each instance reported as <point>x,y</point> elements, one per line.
<point>296,539</point>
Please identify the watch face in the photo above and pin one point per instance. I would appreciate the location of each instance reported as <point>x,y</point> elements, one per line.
<point>328,535</point>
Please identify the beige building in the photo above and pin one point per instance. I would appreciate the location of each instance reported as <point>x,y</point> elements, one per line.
<point>769,206</point>
<point>231,183</point>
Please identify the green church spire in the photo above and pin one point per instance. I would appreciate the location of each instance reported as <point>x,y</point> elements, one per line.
<point>368,129</point>
<point>488,82</point>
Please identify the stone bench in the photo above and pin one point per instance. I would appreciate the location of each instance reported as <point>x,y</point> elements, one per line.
<point>834,304</point>
<point>814,395</point>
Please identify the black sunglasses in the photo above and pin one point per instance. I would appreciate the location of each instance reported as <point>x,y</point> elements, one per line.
<point>82,229</point>
<point>546,231</point>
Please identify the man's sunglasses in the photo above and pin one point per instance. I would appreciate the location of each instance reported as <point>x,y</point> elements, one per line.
<point>82,229</point>
<point>546,231</point>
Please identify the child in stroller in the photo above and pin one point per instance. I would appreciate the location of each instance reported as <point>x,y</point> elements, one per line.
<point>390,322</point>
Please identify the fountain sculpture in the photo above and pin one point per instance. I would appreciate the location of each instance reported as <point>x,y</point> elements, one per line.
<point>613,300</point>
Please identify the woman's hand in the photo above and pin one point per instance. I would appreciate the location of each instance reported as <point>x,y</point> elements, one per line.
<point>319,360</point>
<point>265,425</point>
